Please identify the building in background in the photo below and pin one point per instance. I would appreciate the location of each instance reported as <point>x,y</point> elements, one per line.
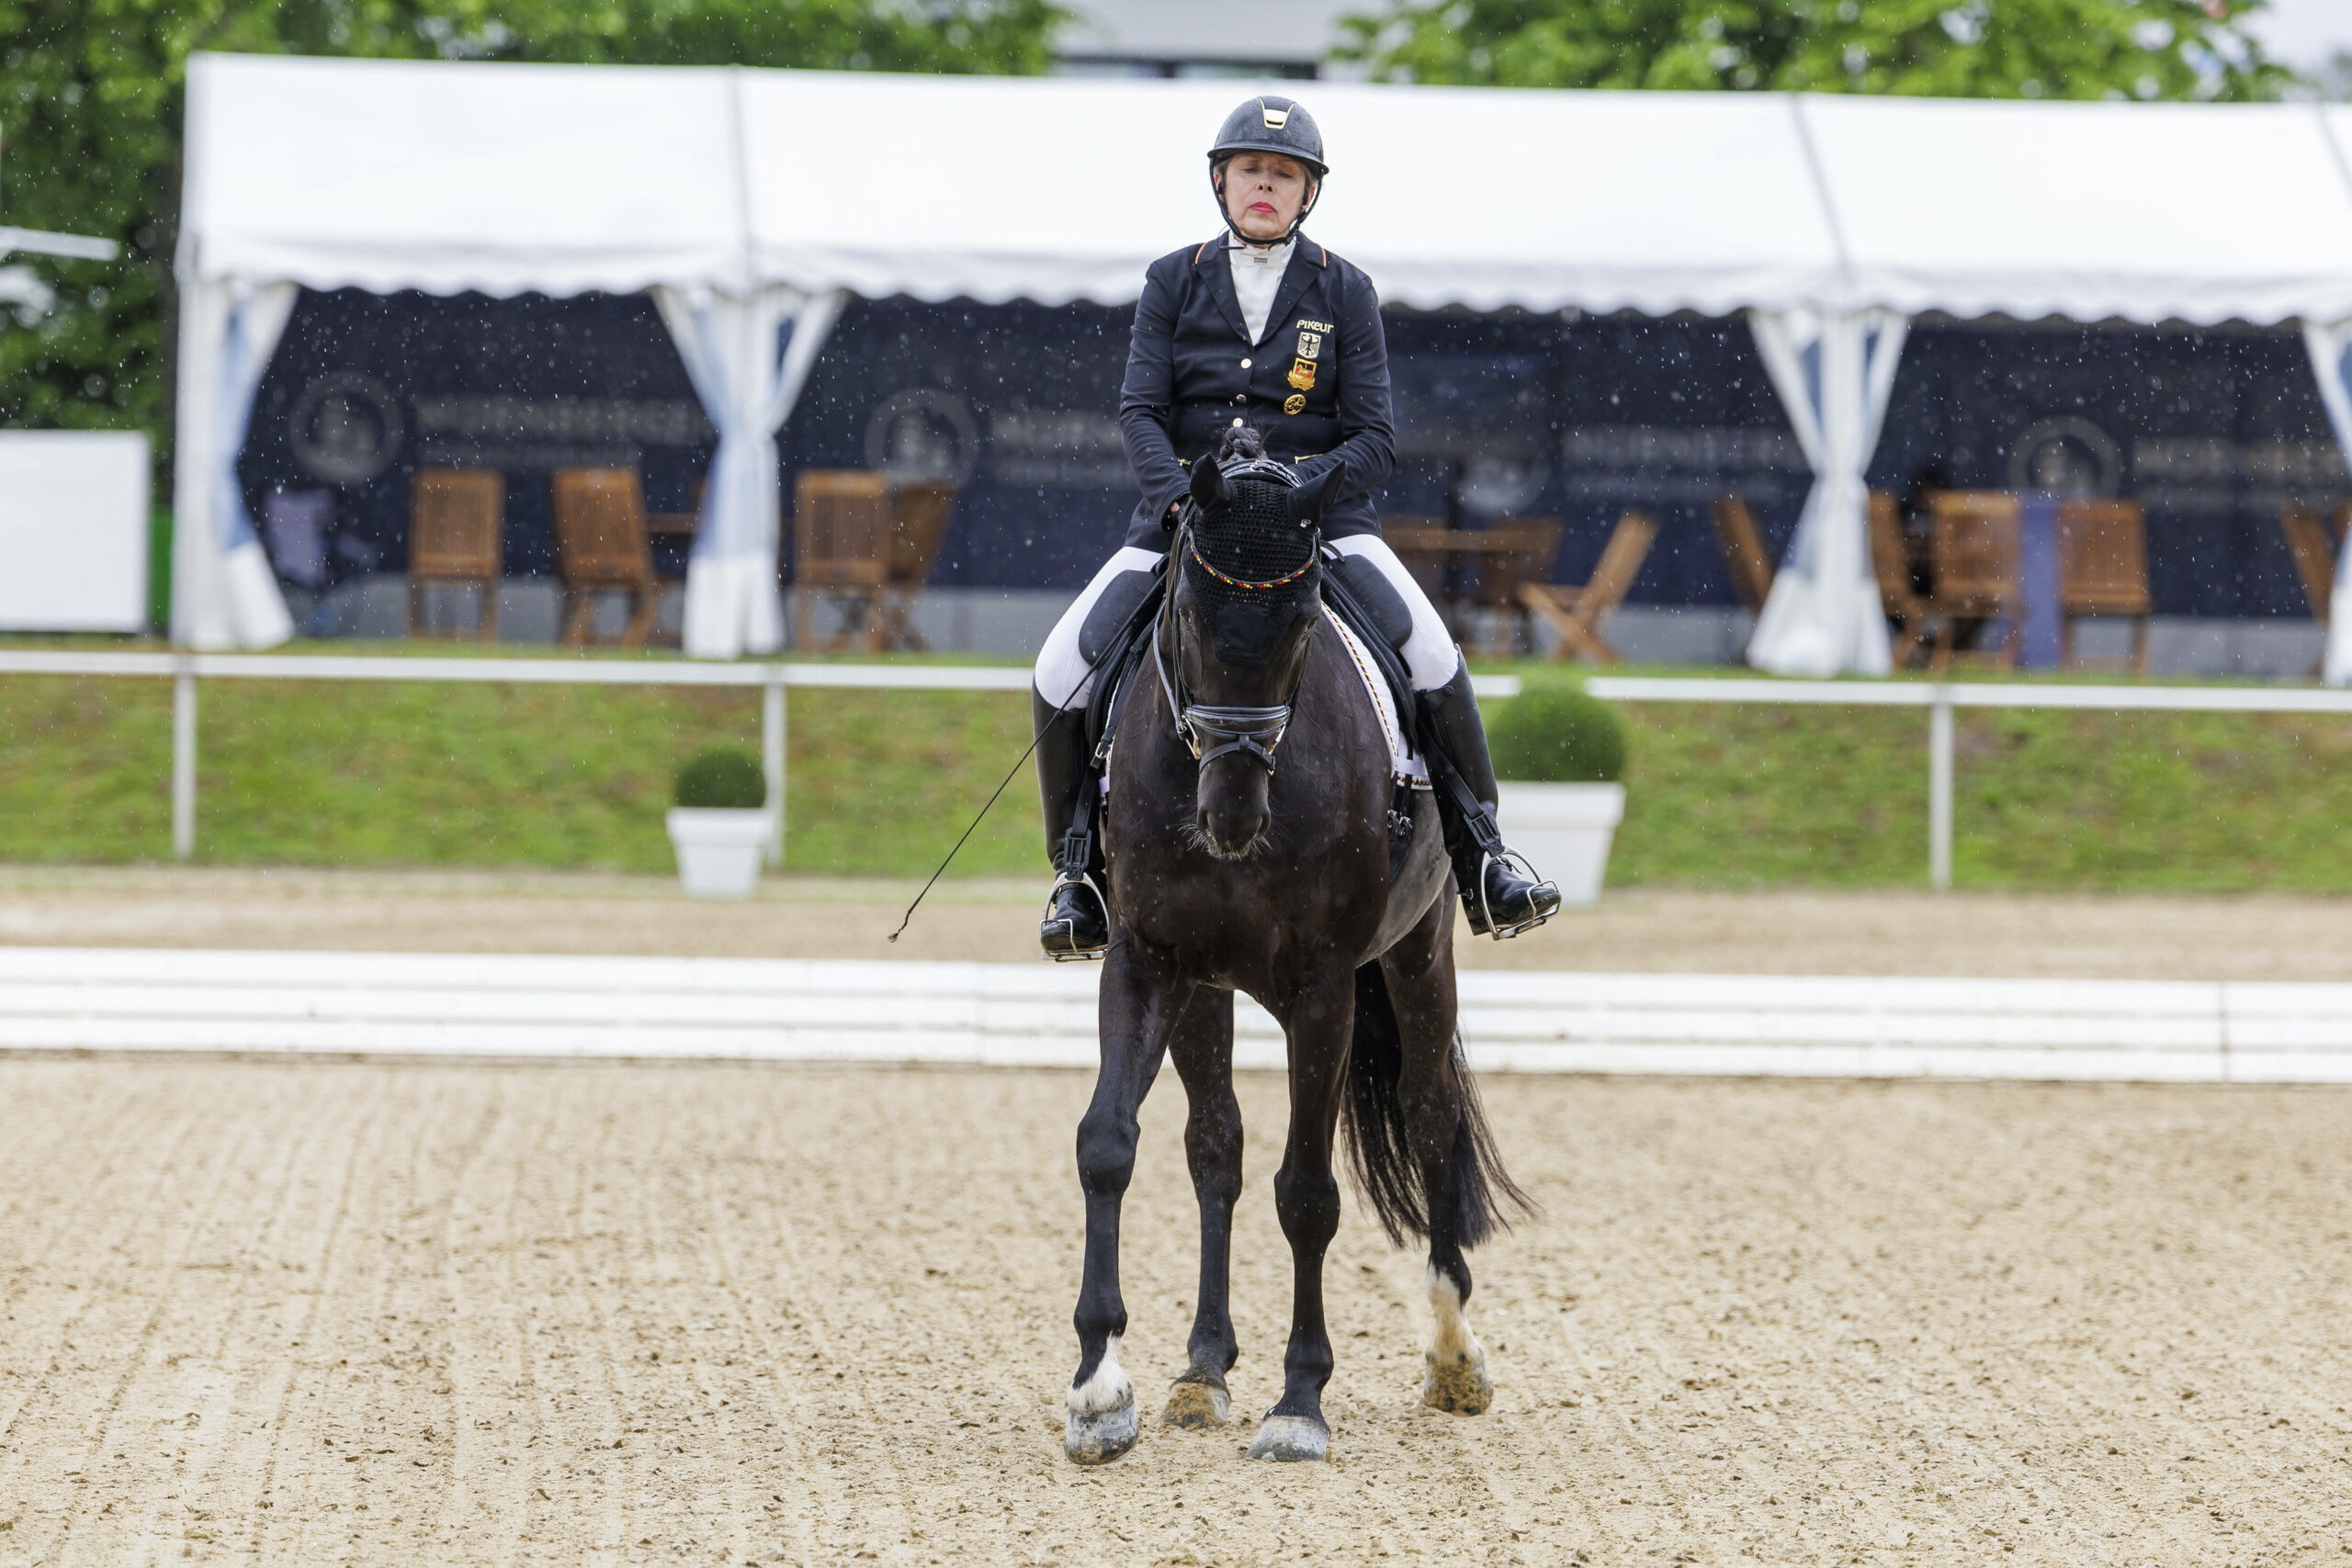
<point>1204,37</point>
<point>2313,37</point>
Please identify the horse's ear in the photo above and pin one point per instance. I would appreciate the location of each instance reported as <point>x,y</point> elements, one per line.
<point>1309,501</point>
<point>1208,486</point>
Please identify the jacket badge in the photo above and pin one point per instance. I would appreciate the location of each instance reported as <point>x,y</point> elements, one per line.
<point>1311,344</point>
<point>1295,404</point>
<point>1302,374</point>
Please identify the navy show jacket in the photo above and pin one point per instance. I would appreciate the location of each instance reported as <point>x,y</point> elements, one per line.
<point>1317,388</point>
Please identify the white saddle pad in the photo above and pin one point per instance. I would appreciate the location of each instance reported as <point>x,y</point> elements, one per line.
<point>1384,702</point>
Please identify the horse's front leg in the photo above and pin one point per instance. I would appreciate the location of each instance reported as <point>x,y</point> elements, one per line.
<point>1138,1011</point>
<point>1202,1049</point>
<point>1306,1199</point>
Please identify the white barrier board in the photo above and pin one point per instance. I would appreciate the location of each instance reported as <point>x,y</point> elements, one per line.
<point>1044,1015</point>
<point>74,507</point>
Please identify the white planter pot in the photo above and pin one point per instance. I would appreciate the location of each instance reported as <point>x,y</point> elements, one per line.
<point>1564,829</point>
<point>719,852</point>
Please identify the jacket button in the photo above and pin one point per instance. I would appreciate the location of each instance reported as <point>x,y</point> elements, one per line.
<point>1236,422</point>
<point>1240,397</point>
<point>1245,365</point>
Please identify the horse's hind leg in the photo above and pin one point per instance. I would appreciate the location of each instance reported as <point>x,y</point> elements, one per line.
<point>1438,1117</point>
<point>1202,1049</point>
<point>1137,1014</point>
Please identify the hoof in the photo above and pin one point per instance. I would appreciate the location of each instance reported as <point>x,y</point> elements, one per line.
<point>1458,1385</point>
<point>1288,1437</point>
<point>1100,1437</point>
<point>1197,1400</point>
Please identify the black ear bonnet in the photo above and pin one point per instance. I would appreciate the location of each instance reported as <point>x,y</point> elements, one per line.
<point>1252,561</point>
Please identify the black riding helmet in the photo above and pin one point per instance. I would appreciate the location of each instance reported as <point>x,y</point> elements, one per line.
<point>1269,125</point>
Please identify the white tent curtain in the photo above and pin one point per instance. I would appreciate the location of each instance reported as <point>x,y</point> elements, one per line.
<point>748,360</point>
<point>2331,350</point>
<point>223,593</point>
<point>1835,374</point>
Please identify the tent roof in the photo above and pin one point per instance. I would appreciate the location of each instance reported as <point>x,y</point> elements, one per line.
<point>565,178</point>
<point>386,174</point>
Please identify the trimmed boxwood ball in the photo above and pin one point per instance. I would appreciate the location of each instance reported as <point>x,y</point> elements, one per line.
<point>1555,732</point>
<point>722,779</point>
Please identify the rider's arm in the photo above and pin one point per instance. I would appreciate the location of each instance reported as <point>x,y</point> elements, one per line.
<point>1367,447</point>
<point>1146,401</point>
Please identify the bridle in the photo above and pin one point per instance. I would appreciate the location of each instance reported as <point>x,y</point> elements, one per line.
<point>1211,732</point>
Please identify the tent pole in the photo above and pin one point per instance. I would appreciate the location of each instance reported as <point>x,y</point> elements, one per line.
<point>771,733</point>
<point>183,759</point>
<point>1939,789</point>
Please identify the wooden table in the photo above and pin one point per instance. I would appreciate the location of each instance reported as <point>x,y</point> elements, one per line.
<point>1427,549</point>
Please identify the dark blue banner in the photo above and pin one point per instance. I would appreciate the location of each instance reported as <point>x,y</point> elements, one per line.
<point>1509,415</point>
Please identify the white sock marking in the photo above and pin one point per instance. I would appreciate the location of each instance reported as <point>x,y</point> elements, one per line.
<point>1107,1389</point>
<point>1450,1336</point>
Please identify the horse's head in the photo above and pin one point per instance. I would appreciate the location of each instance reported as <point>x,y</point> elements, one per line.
<point>1248,590</point>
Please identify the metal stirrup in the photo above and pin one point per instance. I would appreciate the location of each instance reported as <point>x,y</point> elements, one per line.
<point>1074,953</point>
<point>1495,928</point>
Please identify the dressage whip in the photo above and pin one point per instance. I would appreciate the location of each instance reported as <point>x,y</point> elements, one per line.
<point>908,917</point>
<point>1117,643</point>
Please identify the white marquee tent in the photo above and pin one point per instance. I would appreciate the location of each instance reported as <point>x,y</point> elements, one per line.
<point>751,203</point>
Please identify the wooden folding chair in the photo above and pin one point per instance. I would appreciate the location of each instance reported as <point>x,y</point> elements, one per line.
<point>1511,552</point>
<point>2103,571</point>
<point>841,552</point>
<point>601,548</point>
<point>1578,615</point>
<point>2314,554</point>
<point>1975,572</point>
<point>456,523</point>
<point>918,514</point>
<point>1891,561</point>
<point>1743,546</point>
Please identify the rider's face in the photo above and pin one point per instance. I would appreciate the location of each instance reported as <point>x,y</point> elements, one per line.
<point>1263,193</point>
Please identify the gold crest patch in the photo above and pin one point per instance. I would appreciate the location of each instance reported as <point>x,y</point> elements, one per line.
<point>1295,404</point>
<point>1302,374</point>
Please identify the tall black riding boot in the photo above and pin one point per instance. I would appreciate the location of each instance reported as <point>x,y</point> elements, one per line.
<point>1500,901</point>
<point>1078,919</point>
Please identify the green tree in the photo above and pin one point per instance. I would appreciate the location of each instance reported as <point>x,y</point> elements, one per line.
<point>91,110</point>
<point>1973,49</point>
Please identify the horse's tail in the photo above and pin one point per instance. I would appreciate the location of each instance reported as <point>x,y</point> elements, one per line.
<point>1380,1144</point>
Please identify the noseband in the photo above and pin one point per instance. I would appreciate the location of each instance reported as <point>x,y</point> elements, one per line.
<point>1213,732</point>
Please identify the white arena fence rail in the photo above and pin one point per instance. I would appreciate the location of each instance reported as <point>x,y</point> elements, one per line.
<point>1939,698</point>
<point>1029,1015</point>
<point>184,670</point>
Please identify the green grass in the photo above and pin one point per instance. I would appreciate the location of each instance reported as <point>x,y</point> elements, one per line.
<point>333,774</point>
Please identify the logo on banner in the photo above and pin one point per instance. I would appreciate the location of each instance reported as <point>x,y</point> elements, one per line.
<point>344,428</point>
<point>2065,456</point>
<point>923,432</point>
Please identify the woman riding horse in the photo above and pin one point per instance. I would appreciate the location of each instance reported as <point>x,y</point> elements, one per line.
<point>1264,328</point>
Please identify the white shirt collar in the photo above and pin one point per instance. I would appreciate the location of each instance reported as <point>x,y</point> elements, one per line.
<point>1257,278</point>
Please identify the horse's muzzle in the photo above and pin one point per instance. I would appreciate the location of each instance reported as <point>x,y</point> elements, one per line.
<point>1230,808</point>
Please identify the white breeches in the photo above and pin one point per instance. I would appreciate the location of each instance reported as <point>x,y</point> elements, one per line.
<point>1429,655</point>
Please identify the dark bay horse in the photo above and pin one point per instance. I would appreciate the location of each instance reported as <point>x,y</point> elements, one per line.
<point>1231,873</point>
